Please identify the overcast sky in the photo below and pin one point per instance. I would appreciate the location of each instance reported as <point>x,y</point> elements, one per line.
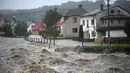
<point>29,4</point>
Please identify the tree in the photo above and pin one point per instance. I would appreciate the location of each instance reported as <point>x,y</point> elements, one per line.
<point>81,35</point>
<point>44,35</point>
<point>21,30</point>
<point>127,28</point>
<point>50,19</point>
<point>6,28</point>
<point>55,33</point>
<point>16,30</point>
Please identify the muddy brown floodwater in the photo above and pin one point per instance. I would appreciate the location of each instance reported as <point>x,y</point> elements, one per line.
<point>20,56</point>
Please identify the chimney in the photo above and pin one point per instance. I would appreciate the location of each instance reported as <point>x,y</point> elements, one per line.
<point>80,6</point>
<point>101,7</point>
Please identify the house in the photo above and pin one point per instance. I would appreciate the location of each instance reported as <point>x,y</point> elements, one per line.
<point>95,23</point>
<point>71,22</point>
<point>30,25</point>
<point>38,27</point>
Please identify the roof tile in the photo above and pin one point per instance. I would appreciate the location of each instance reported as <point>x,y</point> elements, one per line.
<point>38,24</point>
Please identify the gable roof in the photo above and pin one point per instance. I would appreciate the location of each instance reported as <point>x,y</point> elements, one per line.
<point>99,11</point>
<point>124,5</point>
<point>60,21</point>
<point>75,12</point>
<point>38,24</point>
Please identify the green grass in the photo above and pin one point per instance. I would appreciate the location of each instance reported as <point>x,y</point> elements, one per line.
<point>113,46</point>
<point>63,38</point>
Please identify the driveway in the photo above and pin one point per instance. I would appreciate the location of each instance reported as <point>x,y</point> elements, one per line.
<point>74,43</point>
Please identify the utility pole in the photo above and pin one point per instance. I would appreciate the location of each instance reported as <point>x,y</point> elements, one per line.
<point>109,40</point>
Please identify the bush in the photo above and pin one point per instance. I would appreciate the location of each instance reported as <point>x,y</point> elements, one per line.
<point>6,28</point>
<point>122,48</point>
<point>21,30</point>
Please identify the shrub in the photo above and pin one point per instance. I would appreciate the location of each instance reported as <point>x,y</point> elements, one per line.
<point>122,48</point>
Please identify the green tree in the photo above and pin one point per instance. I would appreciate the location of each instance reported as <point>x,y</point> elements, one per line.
<point>50,19</point>
<point>6,28</point>
<point>127,28</point>
<point>17,32</point>
<point>21,29</point>
<point>81,35</point>
<point>44,35</point>
<point>55,33</point>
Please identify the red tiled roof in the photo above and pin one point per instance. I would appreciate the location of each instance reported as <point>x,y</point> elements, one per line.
<point>38,24</point>
<point>60,22</point>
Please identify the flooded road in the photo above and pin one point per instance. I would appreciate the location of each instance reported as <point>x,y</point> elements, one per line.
<point>20,56</point>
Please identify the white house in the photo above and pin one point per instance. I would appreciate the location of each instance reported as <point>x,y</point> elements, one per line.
<point>95,23</point>
<point>30,25</point>
<point>89,24</point>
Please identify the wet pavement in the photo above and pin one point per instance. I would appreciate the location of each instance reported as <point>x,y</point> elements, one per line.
<point>75,43</point>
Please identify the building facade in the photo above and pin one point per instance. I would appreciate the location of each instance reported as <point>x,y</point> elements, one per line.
<point>71,22</point>
<point>30,26</point>
<point>95,23</point>
<point>89,25</point>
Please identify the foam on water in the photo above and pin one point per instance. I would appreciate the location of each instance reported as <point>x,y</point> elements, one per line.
<point>67,60</point>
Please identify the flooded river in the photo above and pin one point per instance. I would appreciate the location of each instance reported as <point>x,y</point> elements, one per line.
<point>19,56</point>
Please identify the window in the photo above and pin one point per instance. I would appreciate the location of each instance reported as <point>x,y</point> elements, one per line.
<point>74,20</point>
<point>74,30</point>
<point>92,21</point>
<point>87,23</point>
<point>111,21</point>
<point>93,33</point>
<point>83,22</point>
<point>119,21</point>
<point>119,11</point>
<point>104,33</point>
<point>112,11</point>
<point>104,21</point>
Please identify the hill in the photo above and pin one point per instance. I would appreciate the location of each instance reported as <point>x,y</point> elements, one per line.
<point>36,14</point>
